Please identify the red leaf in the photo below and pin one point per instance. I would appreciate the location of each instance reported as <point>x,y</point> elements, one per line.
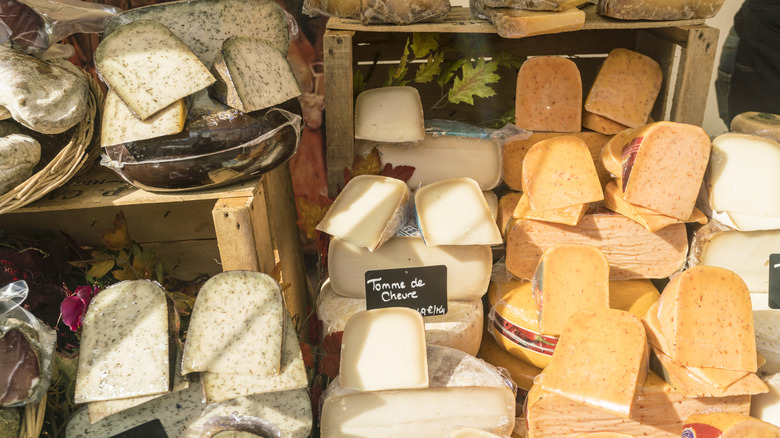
<point>332,343</point>
<point>399,172</point>
<point>308,359</point>
<point>330,365</point>
<point>315,329</point>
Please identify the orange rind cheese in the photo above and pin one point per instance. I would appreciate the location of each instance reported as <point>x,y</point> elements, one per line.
<point>549,95</point>
<point>565,215</point>
<point>615,201</point>
<point>728,425</point>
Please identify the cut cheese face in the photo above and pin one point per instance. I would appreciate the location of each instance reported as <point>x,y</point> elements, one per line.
<point>447,156</point>
<point>625,88</point>
<point>125,341</point>
<point>520,23</point>
<point>384,349</point>
<point>389,114</point>
<point>119,124</point>
<point>729,425</point>
<point>663,166</point>
<point>692,311</point>
<point>522,373</point>
<point>149,68</point>
<point>454,212</point>
<point>615,201</point>
<point>611,156</point>
<point>506,209</point>
<point>751,122</point>
<point>610,346</point>
<point>570,215</point>
<point>468,266</point>
<point>559,172</point>
<point>569,278</point>
<point>632,251</point>
<point>369,211</point>
<point>237,326</point>
<point>632,296</point>
<point>549,95</point>
<point>601,124</point>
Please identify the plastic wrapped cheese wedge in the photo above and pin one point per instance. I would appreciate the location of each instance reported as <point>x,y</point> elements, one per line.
<point>615,201</point>
<point>625,88</point>
<point>183,414</point>
<point>237,326</point>
<point>460,327</point>
<point>659,412</point>
<point>369,211</point>
<point>522,373</point>
<point>659,9</point>
<point>406,12</point>
<point>755,123</point>
<point>608,345</point>
<point>124,339</point>
<point>474,392</point>
<point>549,95</point>
<point>251,74</point>
<point>468,266</point>
<point>692,311</point>
<point>120,125</point>
<point>611,156</point>
<point>447,156</point>
<point>126,58</point>
<point>729,426</point>
<point>389,114</point>
<point>570,215</point>
<point>454,212</point>
<point>632,251</point>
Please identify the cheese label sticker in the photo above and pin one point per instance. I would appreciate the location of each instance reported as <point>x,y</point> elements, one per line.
<point>774,281</point>
<point>700,430</point>
<point>423,289</point>
<point>150,429</point>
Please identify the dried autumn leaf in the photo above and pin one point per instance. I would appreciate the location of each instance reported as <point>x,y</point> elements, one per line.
<point>276,274</point>
<point>183,302</point>
<point>371,164</point>
<point>308,358</point>
<point>117,237</point>
<point>124,273</point>
<point>311,214</point>
<point>329,365</point>
<point>101,268</point>
<point>398,172</point>
<point>332,342</point>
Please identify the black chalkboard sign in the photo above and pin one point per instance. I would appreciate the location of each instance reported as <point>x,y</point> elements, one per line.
<point>774,281</point>
<point>423,289</point>
<point>150,429</point>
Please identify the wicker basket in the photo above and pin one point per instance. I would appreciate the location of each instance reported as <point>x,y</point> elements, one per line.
<point>32,419</point>
<point>58,164</point>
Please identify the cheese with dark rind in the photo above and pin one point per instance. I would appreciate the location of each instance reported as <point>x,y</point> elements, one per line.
<point>549,95</point>
<point>120,125</point>
<point>403,11</point>
<point>217,21</point>
<point>533,5</point>
<point>20,363</point>
<point>755,123</point>
<point>19,154</point>
<point>332,8</point>
<point>659,9</point>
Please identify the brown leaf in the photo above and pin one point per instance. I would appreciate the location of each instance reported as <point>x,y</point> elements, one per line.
<point>125,273</point>
<point>368,165</point>
<point>101,268</point>
<point>183,302</point>
<point>330,365</point>
<point>308,358</point>
<point>312,214</point>
<point>116,237</point>
<point>332,342</point>
<point>398,172</point>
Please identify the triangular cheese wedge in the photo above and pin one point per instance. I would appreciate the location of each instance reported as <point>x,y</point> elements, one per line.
<point>612,154</point>
<point>565,215</point>
<point>549,95</point>
<point>653,221</point>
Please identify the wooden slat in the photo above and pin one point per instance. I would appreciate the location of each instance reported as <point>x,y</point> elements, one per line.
<point>695,77</point>
<point>337,53</point>
<point>235,234</point>
<point>663,52</point>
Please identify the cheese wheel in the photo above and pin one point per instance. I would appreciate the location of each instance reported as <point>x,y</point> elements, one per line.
<point>614,200</point>
<point>521,372</point>
<point>549,95</point>
<point>570,215</point>
<point>755,123</point>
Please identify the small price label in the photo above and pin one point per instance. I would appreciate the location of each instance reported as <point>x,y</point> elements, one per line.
<point>774,281</point>
<point>423,289</point>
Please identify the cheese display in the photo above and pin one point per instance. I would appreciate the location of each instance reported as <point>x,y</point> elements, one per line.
<point>125,58</point>
<point>454,212</point>
<point>611,346</point>
<point>447,156</point>
<point>124,343</point>
<point>549,95</point>
<point>755,123</point>
<point>120,125</point>
<point>659,412</point>
<point>565,215</point>
<point>48,97</point>
<point>659,9</point>
<point>183,414</point>
<point>614,200</point>
<point>19,154</point>
<point>625,88</point>
<point>384,349</point>
<point>250,314</point>
<point>222,18</point>
<point>403,12</point>
<point>520,23</point>
<point>506,209</point>
<point>459,328</point>
<point>468,266</point>
<point>663,166</point>
<point>389,114</point>
<point>476,394</point>
<point>631,250</point>
<point>522,374</point>
<point>559,172</point>
<point>729,425</point>
<point>251,74</point>
<point>369,211</point>
<point>601,124</point>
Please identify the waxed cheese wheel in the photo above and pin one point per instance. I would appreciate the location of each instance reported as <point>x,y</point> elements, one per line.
<point>755,123</point>
<point>549,95</point>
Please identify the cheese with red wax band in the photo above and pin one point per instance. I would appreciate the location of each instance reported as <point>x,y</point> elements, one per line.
<point>389,114</point>
<point>755,123</point>
<point>601,124</point>
<point>549,95</point>
<point>569,278</point>
<point>728,425</point>
<point>615,201</point>
<point>559,172</point>
<point>570,215</point>
<point>625,88</point>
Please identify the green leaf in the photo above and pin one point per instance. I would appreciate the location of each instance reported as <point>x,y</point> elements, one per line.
<point>397,74</point>
<point>449,72</point>
<point>358,83</point>
<point>474,82</point>
<point>431,68</point>
<point>509,60</point>
<point>424,43</point>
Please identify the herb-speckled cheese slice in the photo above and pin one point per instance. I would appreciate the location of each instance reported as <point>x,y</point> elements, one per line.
<point>252,75</point>
<point>149,67</point>
<point>237,326</point>
<point>120,125</point>
<point>124,343</point>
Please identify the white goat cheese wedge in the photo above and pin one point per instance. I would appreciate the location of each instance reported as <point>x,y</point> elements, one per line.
<point>124,343</point>
<point>149,67</point>
<point>389,114</point>
<point>120,125</point>
<point>236,326</point>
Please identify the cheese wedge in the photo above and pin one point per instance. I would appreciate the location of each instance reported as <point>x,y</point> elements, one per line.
<point>601,124</point>
<point>729,425</point>
<point>625,88</point>
<point>615,201</point>
<point>570,215</point>
<point>119,124</point>
<point>389,114</point>
<point>611,347</point>
<point>549,95</point>
<point>632,251</point>
<point>237,326</point>
<point>659,9</point>
<point>454,212</point>
<point>149,68</point>
<point>459,328</point>
<point>663,167</point>
<point>692,311</point>
<point>506,209</point>
<point>519,23</point>
<point>125,343</point>
<point>522,374</point>
<point>369,211</point>
<point>611,156</point>
<point>755,123</point>
<point>632,296</point>
<point>492,201</point>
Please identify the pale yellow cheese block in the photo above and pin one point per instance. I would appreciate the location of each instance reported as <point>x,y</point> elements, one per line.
<point>615,201</point>
<point>549,95</point>
<point>389,114</point>
<point>625,88</point>
<point>520,23</point>
<point>559,172</point>
<point>611,347</point>
<point>565,215</point>
<point>601,124</point>
<point>731,425</point>
<point>569,278</point>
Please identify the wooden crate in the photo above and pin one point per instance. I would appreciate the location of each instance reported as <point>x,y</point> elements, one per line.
<point>684,49</point>
<point>248,226</point>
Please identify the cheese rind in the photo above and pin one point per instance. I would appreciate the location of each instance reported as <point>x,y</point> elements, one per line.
<point>389,114</point>
<point>403,12</point>
<point>520,23</point>
<point>19,154</point>
<point>549,95</point>
<point>659,9</point>
<point>120,125</point>
<point>755,123</point>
